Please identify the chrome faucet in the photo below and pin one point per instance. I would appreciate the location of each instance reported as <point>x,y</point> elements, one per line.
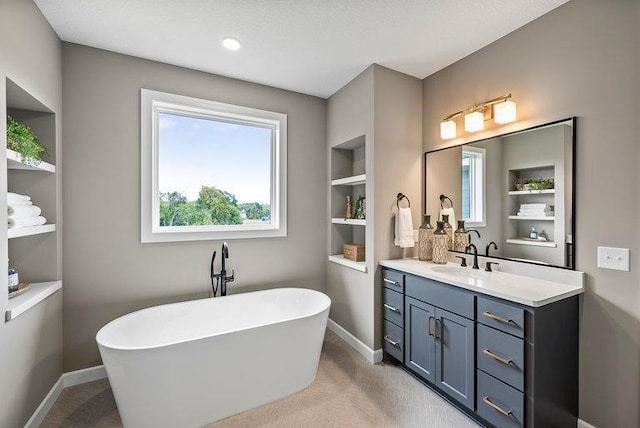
<point>475,254</point>
<point>486,250</point>
<point>221,278</point>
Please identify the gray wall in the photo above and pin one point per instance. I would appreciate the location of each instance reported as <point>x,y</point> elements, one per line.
<point>31,356</point>
<point>108,272</point>
<point>581,59</point>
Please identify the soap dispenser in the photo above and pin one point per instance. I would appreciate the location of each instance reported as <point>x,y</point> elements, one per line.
<point>440,244</point>
<point>460,237</point>
<point>425,240</point>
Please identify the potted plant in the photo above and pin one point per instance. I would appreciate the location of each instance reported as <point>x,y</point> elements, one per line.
<point>534,183</point>
<point>21,139</point>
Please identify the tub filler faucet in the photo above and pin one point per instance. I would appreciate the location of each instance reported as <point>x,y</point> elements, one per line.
<point>221,278</point>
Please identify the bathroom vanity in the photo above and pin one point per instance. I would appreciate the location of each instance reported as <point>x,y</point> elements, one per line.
<point>501,347</point>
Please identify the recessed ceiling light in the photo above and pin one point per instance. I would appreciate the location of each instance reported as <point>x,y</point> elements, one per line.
<point>231,43</point>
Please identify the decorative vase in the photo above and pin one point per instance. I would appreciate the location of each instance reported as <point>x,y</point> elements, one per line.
<point>440,244</point>
<point>449,230</point>
<point>425,240</point>
<point>348,213</point>
<point>460,237</point>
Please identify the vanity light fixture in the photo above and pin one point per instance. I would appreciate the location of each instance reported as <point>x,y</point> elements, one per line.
<point>500,109</point>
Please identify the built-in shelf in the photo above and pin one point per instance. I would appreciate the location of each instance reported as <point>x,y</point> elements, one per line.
<point>350,181</point>
<point>14,161</point>
<point>522,217</point>
<point>36,293</point>
<point>351,221</point>
<point>31,230</point>
<point>532,192</point>
<point>532,242</point>
<point>339,259</point>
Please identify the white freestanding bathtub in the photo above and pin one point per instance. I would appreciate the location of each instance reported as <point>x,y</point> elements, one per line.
<point>191,363</point>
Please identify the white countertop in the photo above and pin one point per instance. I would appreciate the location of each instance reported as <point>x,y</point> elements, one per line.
<point>525,290</point>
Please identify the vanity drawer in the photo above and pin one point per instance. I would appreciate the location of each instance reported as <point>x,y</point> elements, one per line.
<point>393,306</point>
<point>501,355</point>
<point>499,403</point>
<point>393,279</point>
<point>502,316</point>
<point>393,340</point>
<point>447,297</point>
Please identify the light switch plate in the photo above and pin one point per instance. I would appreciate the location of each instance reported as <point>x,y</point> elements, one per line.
<point>613,258</point>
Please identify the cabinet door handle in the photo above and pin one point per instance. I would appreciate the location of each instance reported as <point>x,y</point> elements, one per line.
<point>388,281</point>
<point>497,357</point>
<point>435,329</point>
<point>496,317</point>
<point>391,308</point>
<point>392,342</point>
<point>429,326</point>
<point>495,407</point>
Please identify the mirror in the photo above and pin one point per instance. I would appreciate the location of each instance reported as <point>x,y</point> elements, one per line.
<point>516,190</point>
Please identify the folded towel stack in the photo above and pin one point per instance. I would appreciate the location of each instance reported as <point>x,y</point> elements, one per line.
<point>21,212</point>
<point>535,210</point>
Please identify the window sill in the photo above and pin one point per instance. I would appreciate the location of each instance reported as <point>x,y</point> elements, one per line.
<point>34,295</point>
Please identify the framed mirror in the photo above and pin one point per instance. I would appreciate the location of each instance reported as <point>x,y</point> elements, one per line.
<point>517,190</point>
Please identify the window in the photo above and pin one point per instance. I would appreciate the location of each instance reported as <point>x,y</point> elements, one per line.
<point>473,184</point>
<point>211,170</point>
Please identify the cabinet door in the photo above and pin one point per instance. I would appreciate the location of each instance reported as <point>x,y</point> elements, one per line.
<point>455,356</point>
<point>419,345</point>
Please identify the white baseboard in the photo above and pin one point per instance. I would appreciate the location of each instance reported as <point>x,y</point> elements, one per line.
<point>83,376</point>
<point>372,356</point>
<point>67,379</point>
<point>583,424</point>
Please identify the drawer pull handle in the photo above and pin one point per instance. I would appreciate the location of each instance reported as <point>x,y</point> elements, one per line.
<point>391,308</point>
<point>429,326</point>
<point>497,357</point>
<point>496,407</point>
<point>496,317</point>
<point>388,281</point>
<point>392,342</point>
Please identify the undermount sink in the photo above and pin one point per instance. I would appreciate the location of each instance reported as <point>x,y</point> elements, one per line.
<point>461,272</point>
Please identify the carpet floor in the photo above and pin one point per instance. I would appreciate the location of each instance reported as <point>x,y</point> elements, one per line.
<point>347,392</point>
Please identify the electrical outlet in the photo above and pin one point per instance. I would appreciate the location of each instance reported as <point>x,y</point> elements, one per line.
<point>613,258</point>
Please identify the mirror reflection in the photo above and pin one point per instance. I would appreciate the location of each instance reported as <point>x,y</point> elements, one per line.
<point>515,190</point>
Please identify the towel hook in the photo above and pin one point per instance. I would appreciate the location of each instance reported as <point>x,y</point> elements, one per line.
<point>442,198</point>
<point>401,197</point>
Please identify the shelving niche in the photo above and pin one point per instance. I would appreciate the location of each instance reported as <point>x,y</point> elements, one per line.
<point>348,178</point>
<point>33,251</point>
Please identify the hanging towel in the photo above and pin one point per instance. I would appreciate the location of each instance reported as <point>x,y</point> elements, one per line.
<point>404,228</point>
<point>14,223</point>
<point>17,196</point>
<point>452,216</point>
<point>23,211</point>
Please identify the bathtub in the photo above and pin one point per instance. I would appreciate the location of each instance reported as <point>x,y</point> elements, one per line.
<point>191,363</point>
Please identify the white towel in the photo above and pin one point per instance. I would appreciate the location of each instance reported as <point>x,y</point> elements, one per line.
<point>18,202</point>
<point>543,206</point>
<point>23,210</point>
<point>17,222</point>
<point>17,196</point>
<point>404,228</point>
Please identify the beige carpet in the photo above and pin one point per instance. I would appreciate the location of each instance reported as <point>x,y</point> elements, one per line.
<point>348,392</point>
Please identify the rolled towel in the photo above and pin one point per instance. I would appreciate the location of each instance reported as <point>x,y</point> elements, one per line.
<point>18,202</point>
<point>23,211</point>
<point>404,228</point>
<point>17,222</point>
<point>543,206</point>
<point>17,196</point>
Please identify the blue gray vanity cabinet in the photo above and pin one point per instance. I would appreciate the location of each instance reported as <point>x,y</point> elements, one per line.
<point>393,314</point>
<point>505,364</point>
<point>439,343</point>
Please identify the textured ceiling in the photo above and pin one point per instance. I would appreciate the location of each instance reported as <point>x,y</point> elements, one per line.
<point>309,46</point>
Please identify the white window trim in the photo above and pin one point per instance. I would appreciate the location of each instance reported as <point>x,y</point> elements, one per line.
<point>483,209</point>
<point>151,103</point>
